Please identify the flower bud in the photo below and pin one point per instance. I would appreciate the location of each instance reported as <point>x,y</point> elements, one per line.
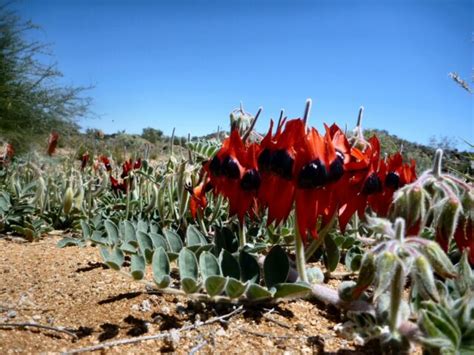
<point>385,269</point>
<point>423,276</point>
<point>68,200</point>
<point>366,275</point>
<point>439,260</point>
<point>447,219</point>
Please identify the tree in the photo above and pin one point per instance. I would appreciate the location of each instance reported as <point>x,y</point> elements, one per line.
<point>32,103</point>
<point>152,135</point>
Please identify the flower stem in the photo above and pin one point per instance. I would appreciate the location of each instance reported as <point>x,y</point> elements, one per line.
<point>316,243</point>
<point>299,253</point>
<point>437,163</point>
<point>242,236</point>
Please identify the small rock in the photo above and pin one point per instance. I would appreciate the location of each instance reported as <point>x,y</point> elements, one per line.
<point>299,327</point>
<point>145,306</point>
<point>36,317</point>
<point>221,332</point>
<point>135,307</point>
<point>11,314</point>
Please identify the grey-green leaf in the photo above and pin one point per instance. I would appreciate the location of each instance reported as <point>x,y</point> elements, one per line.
<point>188,265</point>
<point>209,265</point>
<point>276,266</point>
<point>161,268</point>
<point>112,232</point>
<point>145,244</point>
<point>258,293</point>
<point>174,240</point>
<point>229,265</point>
<point>137,266</point>
<point>189,285</point>
<point>332,253</point>
<point>249,269</point>
<point>215,285</point>
<point>194,236</point>
<point>235,288</point>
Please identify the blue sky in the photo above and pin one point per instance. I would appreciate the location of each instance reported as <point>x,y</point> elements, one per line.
<point>187,64</point>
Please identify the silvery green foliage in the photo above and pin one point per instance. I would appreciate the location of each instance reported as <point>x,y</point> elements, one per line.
<point>448,325</point>
<point>214,270</point>
<point>386,268</point>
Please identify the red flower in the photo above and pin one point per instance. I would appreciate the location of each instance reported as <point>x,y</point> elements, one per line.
<point>276,166</point>
<point>84,160</point>
<point>319,167</point>
<point>198,197</point>
<point>394,174</point>
<point>129,166</point>
<point>52,142</point>
<point>464,236</point>
<point>363,180</point>
<point>106,163</point>
<point>118,186</point>
<point>234,174</point>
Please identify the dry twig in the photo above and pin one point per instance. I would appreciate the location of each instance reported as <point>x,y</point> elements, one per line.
<point>154,336</point>
<point>34,325</point>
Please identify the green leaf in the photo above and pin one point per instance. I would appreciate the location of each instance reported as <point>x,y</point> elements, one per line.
<point>142,226</point>
<point>276,266</point>
<point>249,268</point>
<point>229,265</point>
<point>113,259</point>
<point>385,272</point>
<point>235,288</point>
<point>129,232</point>
<point>287,290</point>
<point>188,264</point>
<point>353,258</point>
<point>258,293</point>
<point>194,237</point>
<point>174,240</point>
<point>98,238</point>
<point>158,241</point>
<point>215,285</point>
<point>86,230</point>
<point>67,242</point>
<point>161,268</point>
<point>127,247</point>
<point>112,232</point>
<point>226,239</point>
<point>145,244</point>
<point>209,265</point>
<point>189,285</point>
<point>137,266</point>
<point>332,253</point>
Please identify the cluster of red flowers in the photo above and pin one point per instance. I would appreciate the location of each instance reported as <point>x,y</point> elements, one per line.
<point>127,167</point>
<point>323,175</point>
<point>7,155</point>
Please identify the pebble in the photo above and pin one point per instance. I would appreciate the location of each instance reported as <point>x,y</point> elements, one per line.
<point>145,306</point>
<point>221,332</point>
<point>36,317</point>
<point>299,327</point>
<point>11,314</point>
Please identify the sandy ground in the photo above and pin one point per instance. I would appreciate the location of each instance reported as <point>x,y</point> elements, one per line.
<point>70,289</point>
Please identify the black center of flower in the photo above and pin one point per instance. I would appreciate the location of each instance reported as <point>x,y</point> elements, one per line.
<point>264,160</point>
<point>250,180</point>
<point>215,166</point>
<point>281,164</point>
<point>312,175</point>
<point>336,169</point>
<point>392,180</point>
<point>230,168</point>
<point>208,187</point>
<point>372,185</point>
